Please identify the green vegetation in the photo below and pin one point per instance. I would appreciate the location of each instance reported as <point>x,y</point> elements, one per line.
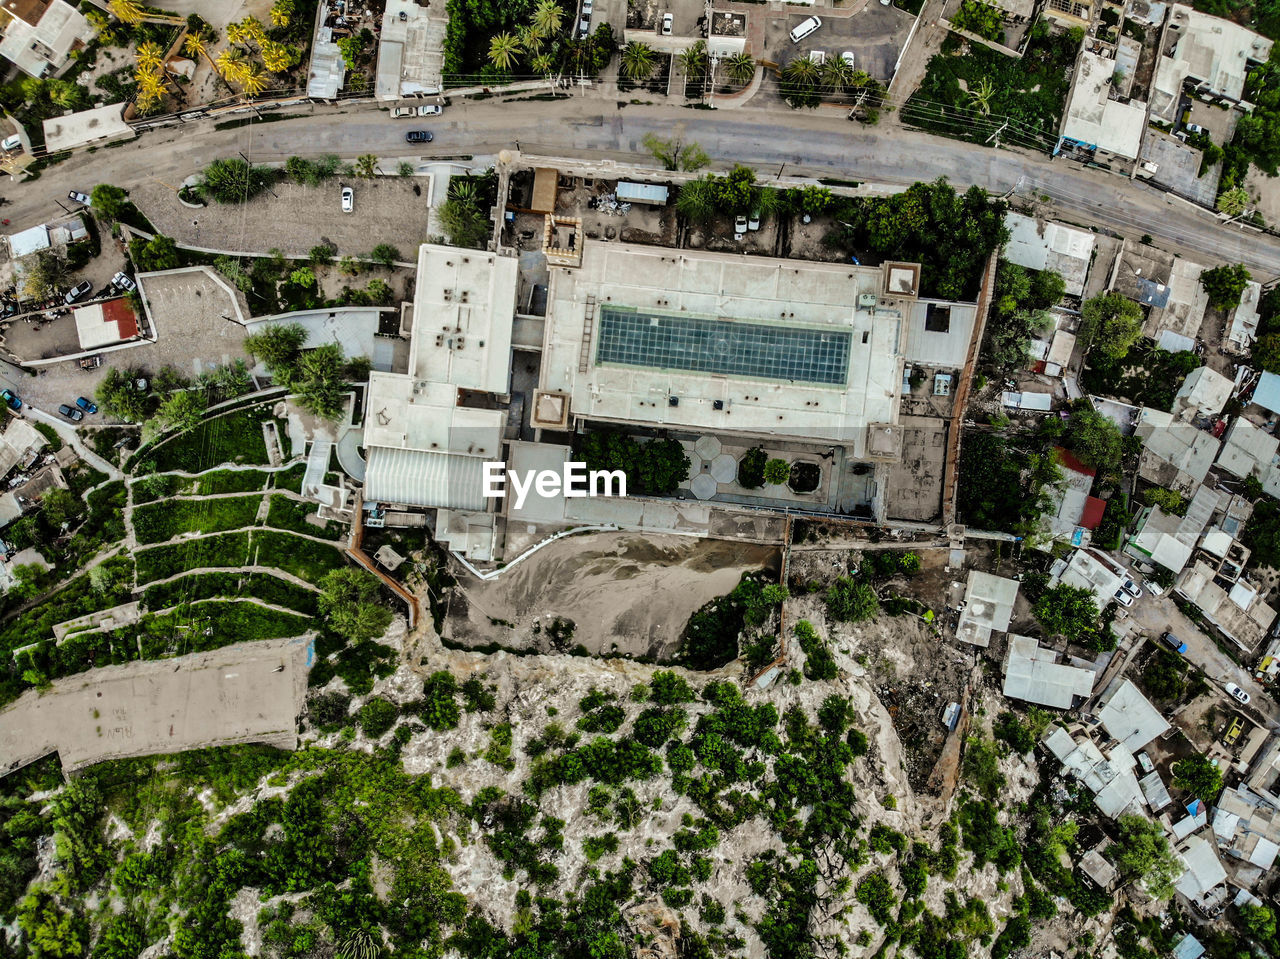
<point>263,586</point>
<point>163,521</point>
<point>1110,323</point>
<point>1018,312</point>
<point>978,93</point>
<point>980,18</point>
<point>1199,776</point>
<point>711,637</point>
<point>653,468</point>
<point>304,558</point>
<point>1145,375</point>
<point>1142,854</point>
<point>1225,285</point>
<point>1068,611</point>
<point>1003,481</point>
<point>317,377</point>
<point>291,514</point>
<point>464,215</point>
<point>228,438</point>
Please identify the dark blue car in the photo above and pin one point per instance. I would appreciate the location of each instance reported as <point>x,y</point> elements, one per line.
<point>87,405</point>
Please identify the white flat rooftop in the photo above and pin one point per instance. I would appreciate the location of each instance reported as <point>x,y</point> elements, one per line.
<point>723,342</point>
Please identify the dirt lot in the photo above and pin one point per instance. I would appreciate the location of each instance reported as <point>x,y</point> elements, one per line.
<point>387,210</point>
<point>623,593</point>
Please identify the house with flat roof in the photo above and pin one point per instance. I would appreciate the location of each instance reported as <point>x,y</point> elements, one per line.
<point>1175,455</point>
<point>988,607</point>
<point>1209,54</point>
<point>1203,880</point>
<point>1243,328</point>
<point>1033,673</point>
<point>410,50</point>
<point>40,35</point>
<point>1203,393</point>
<point>105,323</point>
<point>1248,450</point>
<point>428,431</point>
<point>1044,245</point>
<point>1128,716</point>
<point>1097,119</point>
<point>1247,827</point>
<point>1109,776</point>
<point>1234,609</point>
<point>1089,569</point>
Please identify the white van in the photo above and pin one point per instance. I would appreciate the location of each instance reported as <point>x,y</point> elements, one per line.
<point>804,28</point>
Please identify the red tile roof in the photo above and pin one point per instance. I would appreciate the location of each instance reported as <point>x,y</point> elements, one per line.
<point>1069,461</point>
<point>121,314</point>
<point>1093,510</point>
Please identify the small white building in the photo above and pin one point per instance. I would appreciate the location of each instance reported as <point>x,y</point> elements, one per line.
<point>1128,716</point>
<point>988,607</point>
<point>1203,393</point>
<point>1044,245</point>
<point>1094,119</point>
<point>1033,673</point>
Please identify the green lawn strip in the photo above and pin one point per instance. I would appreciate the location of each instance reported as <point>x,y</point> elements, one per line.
<point>303,558</point>
<point>77,598</point>
<point>191,628</point>
<point>151,488</point>
<point>157,522</point>
<point>232,481</point>
<point>269,589</point>
<point>291,478</point>
<point>230,438</point>
<point>286,513</point>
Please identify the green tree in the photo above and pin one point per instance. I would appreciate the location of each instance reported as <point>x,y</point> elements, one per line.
<point>60,506</point>
<point>464,223</point>
<point>366,166</point>
<point>1143,855</point>
<point>980,18</point>
<point>279,348</point>
<point>303,276</point>
<point>654,468</point>
<point>1068,611</point>
<point>1234,201</point>
<point>386,254</point>
<point>158,253</point>
<point>740,68</point>
<point>504,50</point>
<point>1094,438</point>
<point>118,398</point>
<point>1198,776</point>
<point>1225,285</point>
<point>696,200</point>
<point>319,380</point>
<point>46,274</point>
<point>675,153</point>
<point>1266,352</point>
<point>1110,322</point>
<point>181,411</point>
<point>351,602</point>
<point>108,201</point>
<point>776,472</point>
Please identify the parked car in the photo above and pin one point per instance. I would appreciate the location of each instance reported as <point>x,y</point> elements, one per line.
<point>124,281</point>
<point>78,197</point>
<point>1145,762</point>
<point>584,27</point>
<point>1174,643</point>
<point>586,8</point>
<point>399,113</point>
<point>1236,693</point>
<point>847,57</point>
<point>754,222</point>
<point>77,291</point>
<point>10,143</point>
<point>804,28</point>
<point>11,399</point>
<point>1154,588</point>
<point>348,199</point>
<point>1130,587</point>
<point>740,225</point>
<point>1195,128</point>
<point>418,136</point>
<point>71,413</point>
<point>667,22</point>
<point>430,110</point>
<point>1123,598</point>
<point>86,404</point>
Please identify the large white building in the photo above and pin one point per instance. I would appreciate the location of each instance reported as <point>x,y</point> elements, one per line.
<point>39,35</point>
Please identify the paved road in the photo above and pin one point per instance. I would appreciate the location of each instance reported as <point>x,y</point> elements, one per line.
<point>1157,615</point>
<point>808,144</point>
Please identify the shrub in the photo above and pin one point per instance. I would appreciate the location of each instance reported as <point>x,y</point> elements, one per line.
<point>440,706</point>
<point>377,716</point>
<point>875,892</point>
<point>851,600</point>
<point>751,468</point>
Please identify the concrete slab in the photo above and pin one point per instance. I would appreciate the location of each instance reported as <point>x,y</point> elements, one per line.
<point>249,692</point>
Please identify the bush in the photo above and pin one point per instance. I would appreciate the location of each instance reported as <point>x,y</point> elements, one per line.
<point>875,892</point>
<point>654,468</point>
<point>377,716</point>
<point>751,468</point>
<point>329,710</point>
<point>819,664</point>
<point>439,705</point>
<point>776,472</point>
<point>851,600</point>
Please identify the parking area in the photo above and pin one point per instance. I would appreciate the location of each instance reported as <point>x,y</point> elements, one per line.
<point>295,218</point>
<point>1219,121</point>
<point>874,35</point>
<point>1178,167</point>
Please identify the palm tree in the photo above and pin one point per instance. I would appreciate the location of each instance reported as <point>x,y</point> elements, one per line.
<point>149,56</point>
<point>277,57</point>
<point>530,39</point>
<point>230,63</point>
<point>543,63</point>
<point>237,32</point>
<point>195,47</point>
<point>464,191</point>
<point>801,71</point>
<point>693,60</point>
<point>547,17</point>
<point>697,200</point>
<point>150,90</point>
<point>127,11</point>
<point>837,74</point>
<point>637,60</point>
<point>252,80</point>
<point>281,13</point>
<point>504,48</point>
<point>980,95</point>
<point>254,30</point>
<point>366,166</point>
<point>741,67</point>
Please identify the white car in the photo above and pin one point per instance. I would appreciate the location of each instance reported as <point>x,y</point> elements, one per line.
<point>754,222</point>
<point>586,8</point>
<point>1130,587</point>
<point>740,225</point>
<point>847,57</point>
<point>804,28</point>
<point>1154,588</point>
<point>1236,693</point>
<point>430,110</point>
<point>667,22</point>
<point>1123,598</point>
<point>123,281</point>
<point>399,113</point>
<point>348,199</point>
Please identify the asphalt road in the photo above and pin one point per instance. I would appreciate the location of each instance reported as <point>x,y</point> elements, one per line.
<point>808,144</point>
